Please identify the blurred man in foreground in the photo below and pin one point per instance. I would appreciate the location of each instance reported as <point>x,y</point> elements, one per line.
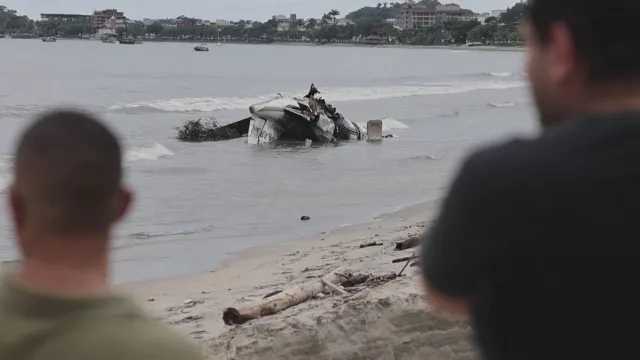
<point>538,241</point>
<point>66,197</point>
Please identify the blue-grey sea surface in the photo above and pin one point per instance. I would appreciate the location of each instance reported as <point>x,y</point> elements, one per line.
<point>198,203</point>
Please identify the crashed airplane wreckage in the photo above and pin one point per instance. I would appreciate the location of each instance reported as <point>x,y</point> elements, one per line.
<point>281,119</point>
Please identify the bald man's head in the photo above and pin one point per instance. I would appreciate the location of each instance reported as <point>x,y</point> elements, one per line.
<point>68,176</point>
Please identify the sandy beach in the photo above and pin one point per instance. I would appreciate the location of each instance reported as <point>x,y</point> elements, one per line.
<point>390,321</point>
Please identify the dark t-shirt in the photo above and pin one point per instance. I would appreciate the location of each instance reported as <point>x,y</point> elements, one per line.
<point>542,237</point>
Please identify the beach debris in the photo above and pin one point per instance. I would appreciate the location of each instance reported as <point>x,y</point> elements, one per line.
<point>409,243</point>
<point>272,293</point>
<point>305,218</point>
<point>403,259</point>
<point>285,299</point>
<point>371,244</point>
<point>415,264</point>
<point>356,280</point>
<point>187,319</point>
<point>334,287</point>
<point>151,299</point>
<point>406,264</point>
<point>191,303</point>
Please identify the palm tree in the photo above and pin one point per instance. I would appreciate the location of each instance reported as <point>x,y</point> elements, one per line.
<point>333,14</point>
<point>325,19</point>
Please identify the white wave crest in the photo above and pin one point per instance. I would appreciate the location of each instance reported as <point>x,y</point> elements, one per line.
<point>5,180</point>
<point>507,104</point>
<point>148,152</point>
<point>6,174</point>
<point>207,104</point>
<point>501,74</point>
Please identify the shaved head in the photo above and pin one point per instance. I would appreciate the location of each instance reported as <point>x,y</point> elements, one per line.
<point>68,176</point>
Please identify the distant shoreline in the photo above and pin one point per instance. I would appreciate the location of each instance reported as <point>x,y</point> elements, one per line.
<point>334,44</point>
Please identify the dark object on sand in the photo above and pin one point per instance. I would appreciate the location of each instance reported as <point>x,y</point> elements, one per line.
<point>305,218</point>
<point>370,245</point>
<point>409,243</point>
<point>272,294</point>
<point>356,280</point>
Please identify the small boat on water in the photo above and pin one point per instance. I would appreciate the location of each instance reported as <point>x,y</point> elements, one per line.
<point>109,40</point>
<point>49,39</point>
<point>201,47</point>
<point>129,41</point>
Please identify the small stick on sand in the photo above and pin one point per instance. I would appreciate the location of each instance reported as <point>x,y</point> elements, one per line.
<point>406,264</point>
<point>272,293</point>
<point>370,245</point>
<point>404,259</point>
<point>415,263</point>
<point>334,287</point>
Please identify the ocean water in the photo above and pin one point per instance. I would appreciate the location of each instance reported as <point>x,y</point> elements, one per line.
<point>198,203</point>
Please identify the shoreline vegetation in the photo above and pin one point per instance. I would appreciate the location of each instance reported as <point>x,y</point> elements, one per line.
<point>366,26</point>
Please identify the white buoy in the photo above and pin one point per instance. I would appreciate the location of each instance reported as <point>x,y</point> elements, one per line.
<point>374,130</point>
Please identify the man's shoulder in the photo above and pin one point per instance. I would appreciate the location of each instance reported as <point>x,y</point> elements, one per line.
<point>509,157</point>
<point>124,339</point>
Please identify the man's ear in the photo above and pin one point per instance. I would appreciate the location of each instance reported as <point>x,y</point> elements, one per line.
<point>17,206</point>
<point>123,203</point>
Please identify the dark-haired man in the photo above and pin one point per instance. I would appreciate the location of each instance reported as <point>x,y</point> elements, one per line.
<point>538,241</point>
<point>66,196</point>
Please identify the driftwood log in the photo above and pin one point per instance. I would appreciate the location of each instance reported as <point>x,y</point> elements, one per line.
<point>286,299</point>
<point>409,243</point>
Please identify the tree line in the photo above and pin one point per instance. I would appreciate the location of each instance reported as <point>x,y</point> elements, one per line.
<point>363,23</point>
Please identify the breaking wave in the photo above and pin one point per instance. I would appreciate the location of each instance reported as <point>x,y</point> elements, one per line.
<point>5,172</point>
<point>148,152</point>
<point>207,104</point>
<point>20,110</point>
<point>507,104</point>
<point>150,235</point>
<point>501,74</point>
<point>5,180</point>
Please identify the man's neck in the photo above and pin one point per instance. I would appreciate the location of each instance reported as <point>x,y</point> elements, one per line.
<point>614,99</point>
<point>62,279</point>
<point>74,267</point>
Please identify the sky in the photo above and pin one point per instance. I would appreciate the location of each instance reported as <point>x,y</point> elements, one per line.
<point>256,10</point>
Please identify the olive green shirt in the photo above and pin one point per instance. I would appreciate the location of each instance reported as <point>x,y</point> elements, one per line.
<point>36,326</point>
